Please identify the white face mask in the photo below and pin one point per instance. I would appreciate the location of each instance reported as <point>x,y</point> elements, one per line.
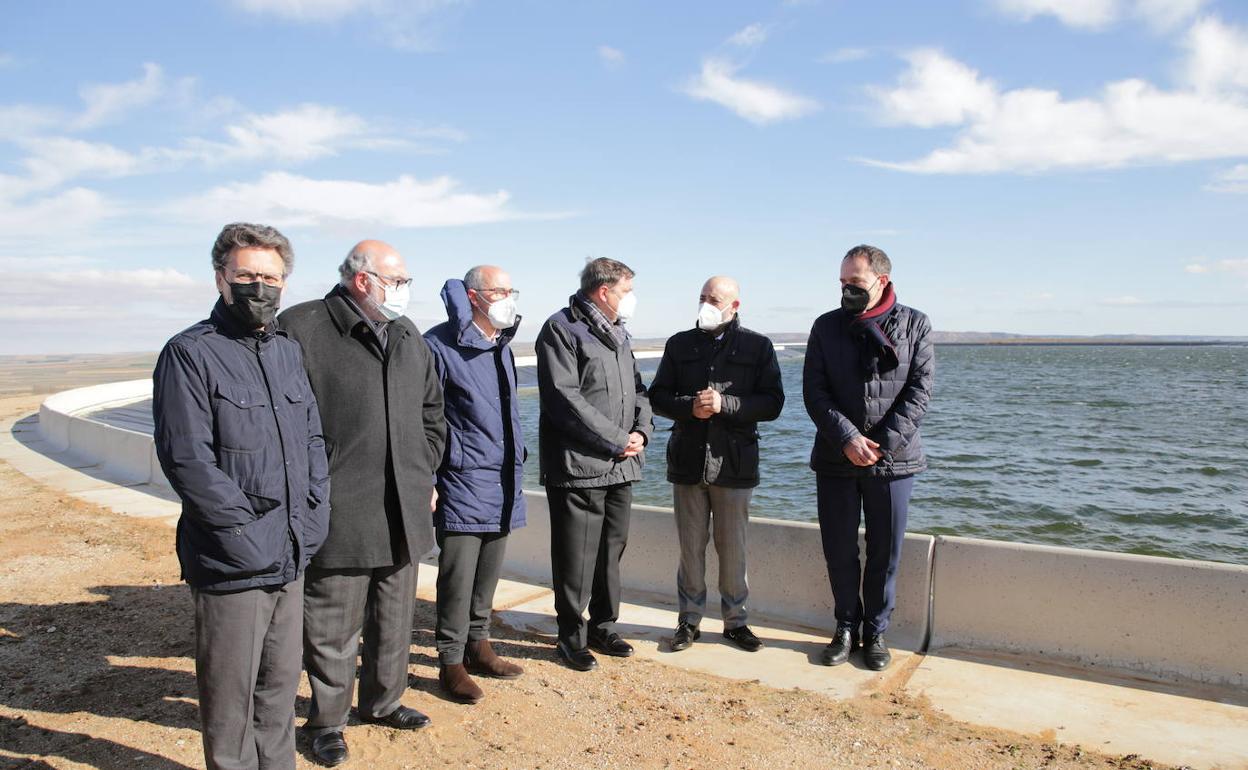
<point>503,312</point>
<point>710,317</point>
<point>626,308</point>
<point>396,299</point>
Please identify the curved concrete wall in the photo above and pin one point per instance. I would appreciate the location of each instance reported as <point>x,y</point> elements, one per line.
<point>1166,618</point>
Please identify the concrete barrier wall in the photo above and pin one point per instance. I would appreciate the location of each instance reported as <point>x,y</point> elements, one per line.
<point>787,575</point>
<point>64,424</point>
<point>1167,618</point>
<point>1172,618</point>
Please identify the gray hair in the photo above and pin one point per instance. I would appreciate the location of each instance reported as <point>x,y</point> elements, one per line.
<point>603,272</point>
<point>359,260</point>
<point>243,235</point>
<point>877,260</point>
<point>475,278</point>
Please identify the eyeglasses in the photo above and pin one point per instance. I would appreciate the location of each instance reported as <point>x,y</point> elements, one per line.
<point>248,277</point>
<point>398,283</point>
<point>500,293</point>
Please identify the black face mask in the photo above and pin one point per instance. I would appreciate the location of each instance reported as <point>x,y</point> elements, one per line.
<point>854,299</point>
<point>255,304</point>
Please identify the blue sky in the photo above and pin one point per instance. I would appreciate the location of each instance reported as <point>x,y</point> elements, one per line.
<point>1032,166</point>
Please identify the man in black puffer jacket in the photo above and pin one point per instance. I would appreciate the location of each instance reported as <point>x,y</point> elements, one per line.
<point>717,382</point>
<point>867,381</point>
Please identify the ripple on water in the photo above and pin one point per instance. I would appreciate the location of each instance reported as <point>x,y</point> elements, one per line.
<point>1086,463</point>
<point>1158,490</point>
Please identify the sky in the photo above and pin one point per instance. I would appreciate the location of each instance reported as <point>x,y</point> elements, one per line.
<point>1030,166</point>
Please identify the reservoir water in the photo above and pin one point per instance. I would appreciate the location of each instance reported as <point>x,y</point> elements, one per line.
<point>1140,449</point>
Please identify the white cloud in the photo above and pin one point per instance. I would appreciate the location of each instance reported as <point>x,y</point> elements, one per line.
<point>750,36</point>
<point>756,101</point>
<point>22,120</point>
<point>405,24</point>
<point>1130,122</point>
<point>106,102</point>
<point>102,297</point>
<point>1098,14</point>
<point>309,10</point>
<point>1232,180</point>
<point>307,132</point>
<point>7,60</point>
<point>70,211</point>
<point>1217,56</point>
<point>612,57</point>
<point>1232,266</point>
<point>1123,301</point>
<point>291,200</point>
<point>842,55</point>
<point>936,91</point>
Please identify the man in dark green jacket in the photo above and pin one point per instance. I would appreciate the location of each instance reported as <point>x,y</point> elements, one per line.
<point>594,427</point>
<point>717,382</point>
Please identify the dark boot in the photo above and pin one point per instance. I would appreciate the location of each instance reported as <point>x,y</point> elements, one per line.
<point>481,660</point>
<point>874,653</point>
<point>843,643</point>
<point>458,685</point>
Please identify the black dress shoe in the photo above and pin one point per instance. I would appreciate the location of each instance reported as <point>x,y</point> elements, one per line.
<point>610,644</point>
<point>401,718</point>
<point>581,660</point>
<point>874,653</point>
<point>685,636</point>
<point>844,641</point>
<point>330,749</point>
<point>744,638</point>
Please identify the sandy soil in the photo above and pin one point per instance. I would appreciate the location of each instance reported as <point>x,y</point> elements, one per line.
<point>96,634</point>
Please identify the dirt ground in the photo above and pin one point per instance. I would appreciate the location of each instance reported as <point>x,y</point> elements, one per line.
<point>95,671</point>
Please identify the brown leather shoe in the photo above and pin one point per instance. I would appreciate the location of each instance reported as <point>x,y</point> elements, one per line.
<point>480,659</point>
<point>458,685</point>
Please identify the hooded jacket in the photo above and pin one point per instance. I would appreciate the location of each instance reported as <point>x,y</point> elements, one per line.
<point>238,435</point>
<point>479,479</point>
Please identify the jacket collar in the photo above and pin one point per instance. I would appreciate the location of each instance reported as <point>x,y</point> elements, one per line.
<point>346,319</point>
<point>227,324</point>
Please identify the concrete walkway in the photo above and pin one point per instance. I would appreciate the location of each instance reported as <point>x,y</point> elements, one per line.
<point>1102,711</point>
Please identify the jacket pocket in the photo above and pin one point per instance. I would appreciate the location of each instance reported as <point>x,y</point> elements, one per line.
<point>240,411</point>
<point>253,549</point>
<point>742,457</point>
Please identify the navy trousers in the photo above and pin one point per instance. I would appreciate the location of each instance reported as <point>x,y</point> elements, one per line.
<point>843,502</point>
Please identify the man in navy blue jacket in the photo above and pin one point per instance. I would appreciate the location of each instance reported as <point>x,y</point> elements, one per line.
<point>479,496</point>
<point>867,381</point>
<point>238,435</point>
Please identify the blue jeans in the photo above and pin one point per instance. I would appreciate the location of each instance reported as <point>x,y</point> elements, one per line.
<point>843,502</point>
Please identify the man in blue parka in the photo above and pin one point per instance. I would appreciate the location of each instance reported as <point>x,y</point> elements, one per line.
<point>479,495</point>
<point>238,436</point>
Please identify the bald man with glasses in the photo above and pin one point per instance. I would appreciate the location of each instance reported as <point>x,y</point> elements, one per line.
<point>381,407</point>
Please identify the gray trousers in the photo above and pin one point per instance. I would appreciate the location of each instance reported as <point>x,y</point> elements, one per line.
<point>339,606</point>
<point>588,535</point>
<point>468,568</point>
<point>701,510</point>
<point>247,670</point>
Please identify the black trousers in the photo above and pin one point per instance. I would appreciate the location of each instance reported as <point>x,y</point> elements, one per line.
<point>884,504</point>
<point>588,534</point>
